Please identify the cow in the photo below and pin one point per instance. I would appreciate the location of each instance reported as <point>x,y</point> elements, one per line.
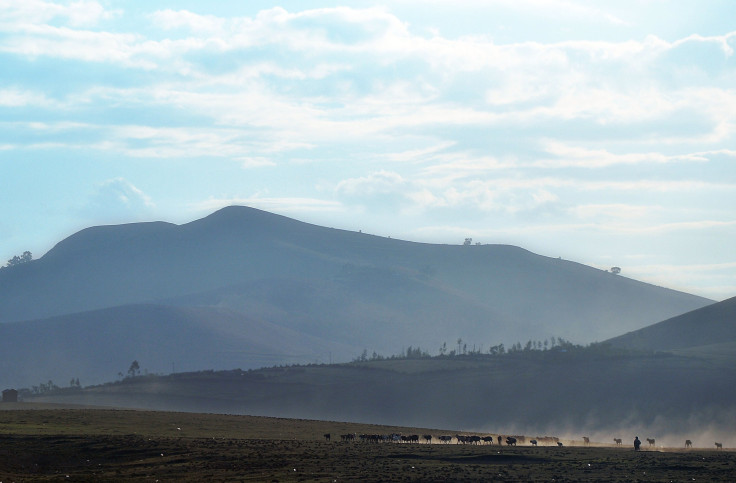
<point>533,442</point>
<point>688,443</point>
<point>445,438</point>
<point>488,439</point>
<point>586,440</point>
<point>719,445</point>
<point>650,441</point>
<point>617,441</point>
<point>559,443</point>
<point>510,441</point>
<point>427,438</point>
<point>327,436</point>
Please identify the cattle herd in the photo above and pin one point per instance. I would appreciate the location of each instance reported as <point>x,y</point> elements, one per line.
<point>472,439</point>
<point>445,439</point>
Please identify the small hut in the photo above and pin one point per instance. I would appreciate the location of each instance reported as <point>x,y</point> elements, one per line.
<point>10,395</point>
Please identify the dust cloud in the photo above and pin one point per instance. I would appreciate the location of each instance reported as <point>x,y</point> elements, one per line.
<point>703,428</point>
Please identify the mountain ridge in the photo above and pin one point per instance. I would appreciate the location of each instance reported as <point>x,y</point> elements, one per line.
<point>353,290</point>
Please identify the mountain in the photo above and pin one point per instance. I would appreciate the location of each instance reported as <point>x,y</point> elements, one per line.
<point>97,345</point>
<point>335,291</point>
<point>709,327</point>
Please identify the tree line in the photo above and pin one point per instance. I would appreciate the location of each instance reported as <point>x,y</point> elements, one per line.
<point>25,257</point>
<point>462,349</point>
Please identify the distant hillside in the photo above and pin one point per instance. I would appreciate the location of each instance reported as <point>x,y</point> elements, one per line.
<point>609,394</point>
<point>97,345</point>
<point>346,290</point>
<point>709,326</point>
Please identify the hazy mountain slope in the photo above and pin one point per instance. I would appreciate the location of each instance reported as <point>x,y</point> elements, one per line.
<point>374,309</point>
<point>711,325</point>
<point>140,263</point>
<point>95,346</point>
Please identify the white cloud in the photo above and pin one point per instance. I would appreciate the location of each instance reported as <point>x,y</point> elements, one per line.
<point>699,225</point>
<point>714,280</point>
<point>650,186</point>
<point>85,45</point>
<point>75,13</point>
<point>172,19</point>
<point>16,97</point>
<point>380,182</point>
<point>576,156</point>
<point>547,9</point>
<point>617,211</point>
<point>117,200</point>
<point>523,82</point>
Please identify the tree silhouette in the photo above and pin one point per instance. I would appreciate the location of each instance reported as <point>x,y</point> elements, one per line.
<point>17,260</point>
<point>134,369</point>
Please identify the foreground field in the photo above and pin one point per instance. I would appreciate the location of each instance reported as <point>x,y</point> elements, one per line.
<point>108,445</point>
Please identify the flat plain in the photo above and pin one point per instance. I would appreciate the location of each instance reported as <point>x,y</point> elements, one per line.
<point>54,443</point>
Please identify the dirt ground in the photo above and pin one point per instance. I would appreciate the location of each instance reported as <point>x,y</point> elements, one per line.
<point>104,445</point>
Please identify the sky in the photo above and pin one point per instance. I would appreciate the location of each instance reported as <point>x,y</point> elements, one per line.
<point>600,132</point>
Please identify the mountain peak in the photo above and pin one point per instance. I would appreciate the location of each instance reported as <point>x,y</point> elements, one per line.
<point>238,216</point>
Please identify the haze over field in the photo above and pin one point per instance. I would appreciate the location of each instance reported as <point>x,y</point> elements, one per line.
<point>596,131</point>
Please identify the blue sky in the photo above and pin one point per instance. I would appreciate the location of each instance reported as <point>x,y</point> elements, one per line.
<point>601,134</point>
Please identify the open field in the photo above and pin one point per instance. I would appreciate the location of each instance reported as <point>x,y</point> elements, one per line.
<point>110,445</point>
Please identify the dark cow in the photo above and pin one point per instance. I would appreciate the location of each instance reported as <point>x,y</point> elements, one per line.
<point>533,442</point>
<point>327,436</point>
<point>617,441</point>
<point>719,445</point>
<point>688,443</point>
<point>511,441</point>
<point>650,441</point>
<point>427,438</point>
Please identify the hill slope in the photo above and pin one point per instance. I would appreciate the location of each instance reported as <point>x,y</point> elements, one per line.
<point>607,394</point>
<point>349,290</point>
<point>709,326</point>
<point>97,345</point>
